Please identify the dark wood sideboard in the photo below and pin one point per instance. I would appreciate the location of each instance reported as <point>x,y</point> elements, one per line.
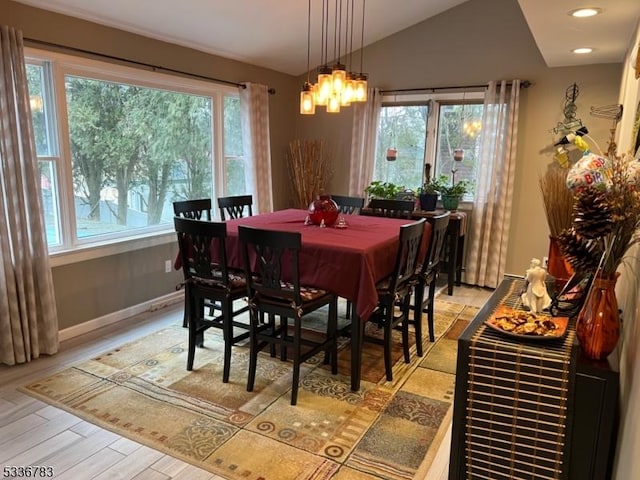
<point>530,410</point>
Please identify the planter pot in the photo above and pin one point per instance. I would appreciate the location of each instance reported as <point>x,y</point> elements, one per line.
<point>428,201</point>
<point>450,202</point>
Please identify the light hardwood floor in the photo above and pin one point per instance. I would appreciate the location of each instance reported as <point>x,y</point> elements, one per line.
<point>34,433</point>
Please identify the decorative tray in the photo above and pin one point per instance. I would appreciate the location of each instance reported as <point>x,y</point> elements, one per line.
<point>525,325</point>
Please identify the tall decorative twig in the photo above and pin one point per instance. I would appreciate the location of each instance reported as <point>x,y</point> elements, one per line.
<point>309,170</point>
<point>558,199</point>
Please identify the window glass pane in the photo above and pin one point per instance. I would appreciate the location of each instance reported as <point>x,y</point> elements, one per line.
<point>135,150</point>
<point>402,128</point>
<point>41,111</point>
<point>458,128</point>
<point>233,149</point>
<point>50,202</point>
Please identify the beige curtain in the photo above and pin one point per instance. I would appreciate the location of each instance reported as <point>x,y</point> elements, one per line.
<point>28,318</point>
<point>488,234</point>
<point>363,142</point>
<point>254,113</point>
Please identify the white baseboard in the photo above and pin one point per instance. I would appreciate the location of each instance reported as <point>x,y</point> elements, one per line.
<point>148,306</point>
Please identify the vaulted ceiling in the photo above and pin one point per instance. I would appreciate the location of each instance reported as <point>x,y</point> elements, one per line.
<point>273,34</point>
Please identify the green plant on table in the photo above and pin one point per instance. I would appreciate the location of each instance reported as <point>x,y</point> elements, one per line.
<point>380,189</point>
<point>429,186</point>
<point>448,188</point>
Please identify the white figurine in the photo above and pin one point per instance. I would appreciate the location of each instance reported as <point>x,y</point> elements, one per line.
<point>536,296</point>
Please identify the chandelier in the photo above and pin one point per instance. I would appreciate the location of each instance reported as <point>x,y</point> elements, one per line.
<point>335,87</point>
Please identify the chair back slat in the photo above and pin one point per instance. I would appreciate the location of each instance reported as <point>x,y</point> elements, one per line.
<point>348,205</point>
<point>238,206</point>
<point>383,207</point>
<point>199,209</point>
<point>269,255</point>
<point>202,247</point>
<point>408,254</point>
<point>439,225</point>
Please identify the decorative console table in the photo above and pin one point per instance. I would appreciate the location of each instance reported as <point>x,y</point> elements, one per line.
<point>529,410</point>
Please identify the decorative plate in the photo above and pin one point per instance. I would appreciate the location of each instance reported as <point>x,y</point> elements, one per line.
<point>525,325</point>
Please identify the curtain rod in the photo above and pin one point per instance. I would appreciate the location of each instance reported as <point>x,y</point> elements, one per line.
<point>523,84</point>
<point>272,91</point>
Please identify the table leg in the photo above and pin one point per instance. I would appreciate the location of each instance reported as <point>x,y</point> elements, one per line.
<point>453,255</point>
<point>357,337</point>
<point>459,259</point>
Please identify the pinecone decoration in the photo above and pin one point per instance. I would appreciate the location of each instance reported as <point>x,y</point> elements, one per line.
<point>583,254</point>
<point>592,214</point>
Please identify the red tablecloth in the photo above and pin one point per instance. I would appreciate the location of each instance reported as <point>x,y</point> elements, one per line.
<point>346,261</point>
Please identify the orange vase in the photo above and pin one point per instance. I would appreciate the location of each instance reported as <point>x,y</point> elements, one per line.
<point>598,323</point>
<point>558,267</point>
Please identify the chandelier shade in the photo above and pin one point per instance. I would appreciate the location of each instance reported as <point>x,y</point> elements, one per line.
<point>337,86</point>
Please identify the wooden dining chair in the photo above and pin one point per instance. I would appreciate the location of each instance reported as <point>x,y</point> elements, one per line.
<point>383,207</point>
<point>273,253</point>
<point>426,277</point>
<point>235,207</point>
<point>348,205</point>
<point>198,209</point>
<point>206,277</point>
<point>395,290</point>
<point>194,209</point>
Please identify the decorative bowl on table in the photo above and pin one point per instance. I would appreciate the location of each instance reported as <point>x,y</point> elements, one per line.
<point>323,211</point>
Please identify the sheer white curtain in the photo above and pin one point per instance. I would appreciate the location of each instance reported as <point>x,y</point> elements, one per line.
<point>254,112</point>
<point>488,234</point>
<point>363,141</point>
<point>28,318</point>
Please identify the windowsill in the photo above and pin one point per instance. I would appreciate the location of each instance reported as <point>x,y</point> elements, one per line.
<point>90,252</point>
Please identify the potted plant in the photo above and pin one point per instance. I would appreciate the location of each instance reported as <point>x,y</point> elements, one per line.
<point>380,189</point>
<point>451,192</point>
<point>428,195</point>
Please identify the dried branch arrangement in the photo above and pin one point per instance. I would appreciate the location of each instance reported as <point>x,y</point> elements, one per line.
<point>558,199</point>
<point>309,170</point>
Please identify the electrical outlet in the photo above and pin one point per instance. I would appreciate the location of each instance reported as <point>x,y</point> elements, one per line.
<point>545,262</point>
<point>167,266</point>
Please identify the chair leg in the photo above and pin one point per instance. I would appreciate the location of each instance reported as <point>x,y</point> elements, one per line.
<point>227,332</point>
<point>284,326</point>
<point>430,313</point>
<point>185,318</point>
<point>388,330</point>
<point>347,314</point>
<point>297,353</point>
<point>405,328</point>
<point>253,350</point>
<point>417,316</point>
<point>331,353</point>
<point>193,326</point>
<point>200,314</point>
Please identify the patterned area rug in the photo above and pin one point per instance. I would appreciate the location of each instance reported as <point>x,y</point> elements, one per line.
<point>388,430</point>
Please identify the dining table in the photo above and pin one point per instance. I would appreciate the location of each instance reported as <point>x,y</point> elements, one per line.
<point>347,261</point>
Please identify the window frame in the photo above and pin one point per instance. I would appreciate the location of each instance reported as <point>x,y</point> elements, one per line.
<point>434,101</point>
<point>73,249</point>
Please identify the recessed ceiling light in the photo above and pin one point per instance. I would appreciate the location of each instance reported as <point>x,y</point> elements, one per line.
<point>585,12</point>
<point>582,50</point>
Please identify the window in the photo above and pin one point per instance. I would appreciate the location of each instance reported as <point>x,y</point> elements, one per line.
<point>427,129</point>
<point>117,146</point>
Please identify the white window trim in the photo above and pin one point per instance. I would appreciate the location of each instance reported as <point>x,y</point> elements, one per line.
<point>434,100</point>
<point>64,64</point>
